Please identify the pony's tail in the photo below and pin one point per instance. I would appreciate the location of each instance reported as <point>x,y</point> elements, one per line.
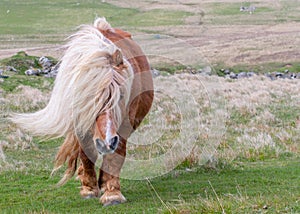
<point>68,152</point>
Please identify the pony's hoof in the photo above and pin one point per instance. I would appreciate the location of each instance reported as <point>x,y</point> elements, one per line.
<point>87,194</point>
<point>111,203</point>
<point>112,198</point>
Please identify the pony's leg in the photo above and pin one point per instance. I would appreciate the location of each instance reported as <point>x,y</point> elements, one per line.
<point>87,176</point>
<point>109,179</point>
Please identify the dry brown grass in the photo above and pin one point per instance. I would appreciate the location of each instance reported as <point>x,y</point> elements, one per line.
<point>195,119</point>
<point>246,127</point>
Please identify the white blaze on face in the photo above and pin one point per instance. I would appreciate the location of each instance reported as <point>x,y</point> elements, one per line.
<point>108,134</point>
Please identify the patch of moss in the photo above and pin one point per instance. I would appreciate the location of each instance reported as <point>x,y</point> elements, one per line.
<point>21,61</point>
<point>171,69</point>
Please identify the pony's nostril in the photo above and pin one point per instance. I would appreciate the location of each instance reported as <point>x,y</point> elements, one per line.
<point>113,143</point>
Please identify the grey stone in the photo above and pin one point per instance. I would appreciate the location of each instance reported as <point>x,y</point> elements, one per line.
<point>32,71</point>
<point>251,74</point>
<point>249,9</point>
<point>206,70</point>
<point>155,72</point>
<point>45,62</point>
<point>10,68</point>
<point>226,71</point>
<point>1,74</point>
<point>271,76</point>
<point>242,75</point>
<point>232,75</point>
<point>54,71</point>
<point>278,74</point>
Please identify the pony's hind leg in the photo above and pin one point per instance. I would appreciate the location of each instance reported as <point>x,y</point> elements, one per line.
<point>109,179</point>
<point>87,176</point>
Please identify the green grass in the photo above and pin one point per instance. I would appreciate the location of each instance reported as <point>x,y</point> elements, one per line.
<point>262,68</point>
<point>35,17</point>
<point>229,13</point>
<point>34,23</point>
<point>16,80</point>
<point>244,188</point>
<point>21,62</point>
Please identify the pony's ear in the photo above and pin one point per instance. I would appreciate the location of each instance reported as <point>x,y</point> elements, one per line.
<point>117,58</point>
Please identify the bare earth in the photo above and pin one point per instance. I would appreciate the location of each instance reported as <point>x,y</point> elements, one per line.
<point>231,43</point>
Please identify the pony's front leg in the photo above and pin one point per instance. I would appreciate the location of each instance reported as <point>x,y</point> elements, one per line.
<point>109,179</point>
<point>87,176</point>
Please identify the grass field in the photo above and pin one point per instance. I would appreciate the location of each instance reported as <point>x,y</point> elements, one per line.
<point>244,155</point>
<point>247,188</point>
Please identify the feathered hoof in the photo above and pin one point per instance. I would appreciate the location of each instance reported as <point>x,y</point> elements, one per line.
<point>110,198</point>
<point>87,194</point>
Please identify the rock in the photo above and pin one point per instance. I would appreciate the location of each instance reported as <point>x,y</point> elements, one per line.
<point>242,75</point>
<point>157,36</point>
<point>226,71</point>
<point>298,76</point>
<point>206,70</point>
<point>2,76</point>
<point>279,75</point>
<point>11,68</point>
<point>54,71</point>
<point>232,75</point>
<point>155,72</point>
<point>290,76</point>
<point>45,63</point>
<point>271,76</point>
<point>250,9</point>
<point>251,74</point>
<point>33,71</point>
<point>48,68</point>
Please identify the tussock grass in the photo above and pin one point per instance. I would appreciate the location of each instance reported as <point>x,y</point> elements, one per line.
<point>257,124</point>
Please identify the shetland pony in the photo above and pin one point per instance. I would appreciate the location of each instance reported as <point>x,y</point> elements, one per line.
<point>101,94</point>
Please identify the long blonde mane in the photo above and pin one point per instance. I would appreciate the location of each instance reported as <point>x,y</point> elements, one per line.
<point>85,86</point>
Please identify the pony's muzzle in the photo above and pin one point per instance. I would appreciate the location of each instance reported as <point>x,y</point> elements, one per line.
<point>107,147</point>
